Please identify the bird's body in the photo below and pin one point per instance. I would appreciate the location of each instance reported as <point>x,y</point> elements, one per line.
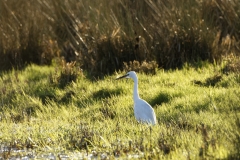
<point>142,110</point>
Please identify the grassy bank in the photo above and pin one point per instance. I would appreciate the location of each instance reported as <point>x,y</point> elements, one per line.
<point>197,110</point>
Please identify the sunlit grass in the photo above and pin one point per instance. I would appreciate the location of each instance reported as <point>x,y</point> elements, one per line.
<point>95,117</point>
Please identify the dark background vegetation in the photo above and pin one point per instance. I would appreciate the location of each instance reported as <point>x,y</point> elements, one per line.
<point>101,35</point>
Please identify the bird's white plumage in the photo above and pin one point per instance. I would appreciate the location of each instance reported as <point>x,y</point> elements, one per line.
<point>142,110</point>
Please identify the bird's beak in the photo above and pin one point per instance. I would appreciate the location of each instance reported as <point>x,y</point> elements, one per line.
<point>122,77</point>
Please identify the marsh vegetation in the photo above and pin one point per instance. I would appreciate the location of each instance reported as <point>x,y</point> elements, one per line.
<point>59,60</point>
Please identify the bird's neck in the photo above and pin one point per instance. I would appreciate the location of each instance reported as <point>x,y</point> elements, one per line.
<point>135,90</point>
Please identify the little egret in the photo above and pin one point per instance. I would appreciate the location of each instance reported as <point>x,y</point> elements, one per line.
<point>142,110</point>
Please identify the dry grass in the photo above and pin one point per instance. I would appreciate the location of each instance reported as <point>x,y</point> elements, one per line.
<point>232,64</point>
<point>103,34</point>
<point>149,68</point>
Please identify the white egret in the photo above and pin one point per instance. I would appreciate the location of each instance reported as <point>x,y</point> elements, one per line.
<point>142,110</point>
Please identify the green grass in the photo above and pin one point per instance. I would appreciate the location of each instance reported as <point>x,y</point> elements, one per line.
<point>196,120</point>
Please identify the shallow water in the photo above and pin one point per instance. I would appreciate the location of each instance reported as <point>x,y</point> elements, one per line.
<point>20,154</point>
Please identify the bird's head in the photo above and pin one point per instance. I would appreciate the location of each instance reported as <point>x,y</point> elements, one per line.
<point>130,74</point>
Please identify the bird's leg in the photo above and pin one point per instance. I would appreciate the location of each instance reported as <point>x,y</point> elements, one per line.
<point>150,136</point>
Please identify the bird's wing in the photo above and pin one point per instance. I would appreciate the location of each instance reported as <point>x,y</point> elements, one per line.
<point>144,112</point>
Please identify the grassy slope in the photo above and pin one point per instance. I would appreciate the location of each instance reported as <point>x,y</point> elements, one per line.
<point>194,120</point>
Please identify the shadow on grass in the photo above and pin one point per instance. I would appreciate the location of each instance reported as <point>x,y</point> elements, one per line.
<point>106,93</point>
<point>160,98</point>
<point>211,81</point>
<point>45,93</point>
<point>67,97</point>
